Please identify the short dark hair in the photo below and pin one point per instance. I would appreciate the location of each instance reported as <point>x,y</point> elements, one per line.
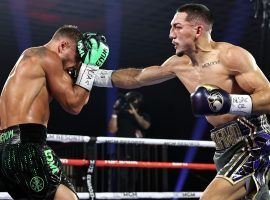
<point>195,11</point>
<point>70,31</point>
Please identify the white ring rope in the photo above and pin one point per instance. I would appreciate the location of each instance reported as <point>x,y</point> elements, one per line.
<point>121,140</point>
<point>130,195</point>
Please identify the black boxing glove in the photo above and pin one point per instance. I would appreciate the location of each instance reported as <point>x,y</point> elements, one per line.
<point>211,100</point>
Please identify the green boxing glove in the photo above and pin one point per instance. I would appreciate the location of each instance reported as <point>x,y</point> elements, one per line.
<point>93,49</point>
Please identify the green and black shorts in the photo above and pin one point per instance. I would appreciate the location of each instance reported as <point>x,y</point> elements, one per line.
<point>29,168</point>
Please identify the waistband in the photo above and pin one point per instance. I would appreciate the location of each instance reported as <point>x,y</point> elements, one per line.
<point>243,128</point>
<point>24,133</point>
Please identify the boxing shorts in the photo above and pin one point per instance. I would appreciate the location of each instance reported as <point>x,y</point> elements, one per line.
<point>242,154</point>
<point>29,168</point>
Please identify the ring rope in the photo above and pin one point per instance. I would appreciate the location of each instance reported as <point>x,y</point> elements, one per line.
<point>139,164</point>
<point>130,195</point>
<point>122,140</point>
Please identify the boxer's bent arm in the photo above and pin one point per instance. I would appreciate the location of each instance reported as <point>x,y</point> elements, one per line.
<point>71,97</point>
<point>261,94</point>
<point>251,79</point>
<point>133,78</point>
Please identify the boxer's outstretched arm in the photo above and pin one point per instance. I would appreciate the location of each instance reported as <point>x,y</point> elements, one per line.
<point>134,78</point>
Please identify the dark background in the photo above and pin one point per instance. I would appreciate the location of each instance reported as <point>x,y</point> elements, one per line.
<point>137,33</point>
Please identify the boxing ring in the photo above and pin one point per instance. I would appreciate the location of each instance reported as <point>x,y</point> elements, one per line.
<point>92,164</point>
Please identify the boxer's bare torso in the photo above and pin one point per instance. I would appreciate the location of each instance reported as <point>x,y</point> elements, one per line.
<point>224,65</point>
<point>212,69</point>
<point>198,60</point>
<point>25,96</point>
<point>39,75</point>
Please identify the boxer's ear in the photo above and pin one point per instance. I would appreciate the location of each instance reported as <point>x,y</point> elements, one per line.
<point>63,45</point>
<point>199,30</point>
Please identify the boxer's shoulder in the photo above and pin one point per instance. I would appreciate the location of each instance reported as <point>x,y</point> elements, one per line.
<point>228,51</point>
<point>235,58</point>
<point>40,57</point>
<point>176,61</point>
<point>39,51</point>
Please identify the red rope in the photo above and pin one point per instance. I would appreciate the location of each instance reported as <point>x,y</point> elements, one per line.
<point>139,164</point>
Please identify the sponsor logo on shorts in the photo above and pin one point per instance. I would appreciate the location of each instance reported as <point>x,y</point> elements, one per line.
<point>6,136</point>
<point>36,184</point>
<point>50,161</point>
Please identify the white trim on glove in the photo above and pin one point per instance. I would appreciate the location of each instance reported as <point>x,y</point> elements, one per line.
<point>241,104</point>
<point>86,76</point>
<point>103,78</point>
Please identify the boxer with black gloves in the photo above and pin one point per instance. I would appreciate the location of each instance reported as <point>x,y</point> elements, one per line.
<point>41,74</point>
<point>211,100</point>
<point>234,102</point>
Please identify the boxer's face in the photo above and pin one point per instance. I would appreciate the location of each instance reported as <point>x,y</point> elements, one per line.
<point>182,34</point>
<point>69,56</point>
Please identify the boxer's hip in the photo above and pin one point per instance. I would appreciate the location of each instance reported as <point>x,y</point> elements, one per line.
<point>23,133</point>
<point>242,152</point>
<point>242,129</point>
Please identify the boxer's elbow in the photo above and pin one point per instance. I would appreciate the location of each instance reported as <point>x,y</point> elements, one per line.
<point>261,101</point>
<point>75,107</point>
<point>74,110</point>
<point>265,96</point>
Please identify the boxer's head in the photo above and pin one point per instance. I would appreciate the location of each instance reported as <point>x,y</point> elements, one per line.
<point>66,38</point>
<point>190,22</point>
